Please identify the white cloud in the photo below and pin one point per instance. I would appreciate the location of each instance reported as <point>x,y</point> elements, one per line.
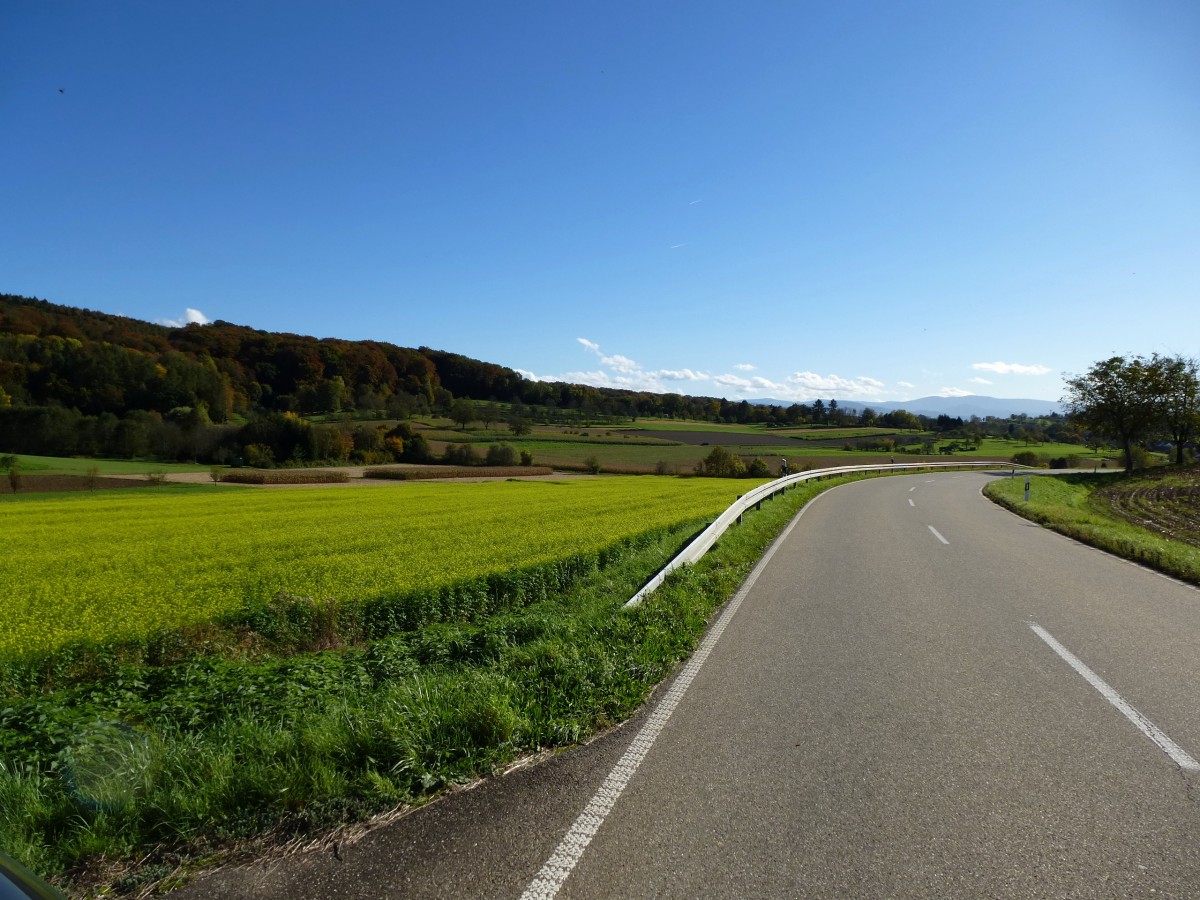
<point>1003,368</point>
<point>953,392</point>
<point>810,385</point>
<point>681,375</point>
<point>190,317</point>
<point>905,384</point>
<point>733,381</point>
<point>980,381</point>
<point>618,371</point>
<point>620,363</point>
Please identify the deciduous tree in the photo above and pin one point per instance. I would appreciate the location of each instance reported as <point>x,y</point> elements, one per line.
<point>1119,398</point>
<point>1180,399</point>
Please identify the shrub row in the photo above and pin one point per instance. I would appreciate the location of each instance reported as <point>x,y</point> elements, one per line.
<point>426,473</point>
<point>281,476</point>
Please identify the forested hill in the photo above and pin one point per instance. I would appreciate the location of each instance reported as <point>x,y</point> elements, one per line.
<point>64,358</point>
<point>99,363</point>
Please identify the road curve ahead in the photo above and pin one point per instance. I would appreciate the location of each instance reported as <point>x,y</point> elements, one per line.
<point>921,695</point>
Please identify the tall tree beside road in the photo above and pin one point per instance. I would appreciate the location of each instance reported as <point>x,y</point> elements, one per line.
<point>1119,398</point>
<point>1180,399</point>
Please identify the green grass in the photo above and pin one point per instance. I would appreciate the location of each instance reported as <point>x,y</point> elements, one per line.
<point>61,465</point>
<point>1048,449</point>
<point>169,764</point>
<point>1065,504</point>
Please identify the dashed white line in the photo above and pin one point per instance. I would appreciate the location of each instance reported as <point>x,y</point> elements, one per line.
<point>937,534</point>
<point>913,488</point>
<point>550,879</point>
<point>1148,728</point>
<point>910,502</point>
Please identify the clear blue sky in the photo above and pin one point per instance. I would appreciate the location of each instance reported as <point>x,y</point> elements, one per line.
<point>797,200</point>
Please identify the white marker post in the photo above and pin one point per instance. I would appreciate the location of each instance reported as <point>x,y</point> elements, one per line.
<point>1027,480</point>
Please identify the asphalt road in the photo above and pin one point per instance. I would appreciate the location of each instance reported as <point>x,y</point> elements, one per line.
<point>877,718</point>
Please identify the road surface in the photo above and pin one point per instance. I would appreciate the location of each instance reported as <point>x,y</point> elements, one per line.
<point>920,695</point>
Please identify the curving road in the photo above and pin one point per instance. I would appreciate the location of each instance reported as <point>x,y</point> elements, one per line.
<point>921,695</point>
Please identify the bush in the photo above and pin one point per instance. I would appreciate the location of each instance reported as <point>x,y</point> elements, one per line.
<point>501,455</point>
<point>1025,458</point>
<point>758,468</point>
<point>460,455</point>
<point>260,456</point>
<point>526,458</point>
<point>593,465</point>
<point>720,463</point>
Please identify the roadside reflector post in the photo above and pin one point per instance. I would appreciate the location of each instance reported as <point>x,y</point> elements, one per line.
<point>1027,481</point>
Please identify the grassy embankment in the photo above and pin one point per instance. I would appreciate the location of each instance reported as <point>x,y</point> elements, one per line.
<point>170,761</point>
<point>1152,518</point>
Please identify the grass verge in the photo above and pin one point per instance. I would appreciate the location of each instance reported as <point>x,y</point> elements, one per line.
<point>176,764</point>
<point>1067,504</point>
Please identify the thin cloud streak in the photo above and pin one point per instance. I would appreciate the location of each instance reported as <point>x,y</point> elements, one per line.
<point>1005,368</point>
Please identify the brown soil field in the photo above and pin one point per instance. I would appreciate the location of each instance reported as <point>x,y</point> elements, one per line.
<point>31,484</point>
<point>1167,502</point>
<point>712,438</point>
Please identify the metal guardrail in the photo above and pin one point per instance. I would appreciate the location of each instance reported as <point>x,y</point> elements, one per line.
<point>704,541</point>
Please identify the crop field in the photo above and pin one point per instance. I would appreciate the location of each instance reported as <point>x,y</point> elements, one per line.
<point>122,564</point>
<point>1165,501</point>
<point>62,465</point>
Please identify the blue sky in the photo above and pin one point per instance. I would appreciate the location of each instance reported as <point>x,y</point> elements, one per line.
<point>793,200</point>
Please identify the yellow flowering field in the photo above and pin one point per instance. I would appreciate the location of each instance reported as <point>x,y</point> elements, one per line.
<point>126,563</point>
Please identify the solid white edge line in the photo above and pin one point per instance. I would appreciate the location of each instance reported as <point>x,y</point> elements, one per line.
<point>550,879</point>
<point>1148,728</point>
<point>937,534</point>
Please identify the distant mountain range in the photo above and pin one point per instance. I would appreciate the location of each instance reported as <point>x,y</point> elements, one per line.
<point>970,405</point>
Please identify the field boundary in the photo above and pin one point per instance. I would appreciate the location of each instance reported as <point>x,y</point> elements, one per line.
<point>733,515</point>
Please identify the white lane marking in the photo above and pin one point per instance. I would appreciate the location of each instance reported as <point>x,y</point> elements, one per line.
<point>1148,728</point>
<point>913,488</point>
<point>910,502</point>
<point>937,534</point>
<point>930,481</point>
<point>550,879</point>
